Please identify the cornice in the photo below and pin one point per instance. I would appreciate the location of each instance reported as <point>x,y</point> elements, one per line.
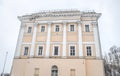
<point>59,13</point>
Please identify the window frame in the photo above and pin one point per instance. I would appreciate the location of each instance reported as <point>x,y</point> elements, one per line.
<point>38,50</point>
<point>41,28</point>
<point>72,30</point>
<point>54,69</point>
<point>91,49</point>
<point>53,54</point>
<point>24,50</point>
<point>88,28</point>
<point>29,30</point>
<point>57,28</point>
<point>70,49</point>
<point>36,72</point>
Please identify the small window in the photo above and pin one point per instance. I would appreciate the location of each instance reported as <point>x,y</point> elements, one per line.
<point>26,51</point>
<point>72,72</point>
<point>40,50</point>
<point>29,29</point>
<point>89,52</point>
<point>87,28</point>
<point>71,27</point>
<point>36,73</point>
<point>57,28</point>
<point>42,28</point>
<point>72,50</point>
<point>54,71</point>
<point>56,50</point>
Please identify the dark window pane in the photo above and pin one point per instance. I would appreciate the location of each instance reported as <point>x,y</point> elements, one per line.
<point>42,28</point>
<point>87,28</point>
<point>29,29</point>
<point>56,50</point>
<point>26,51</point>
<point>71,27</point>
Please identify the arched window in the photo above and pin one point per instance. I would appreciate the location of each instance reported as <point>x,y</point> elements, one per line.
<point>54,71</point>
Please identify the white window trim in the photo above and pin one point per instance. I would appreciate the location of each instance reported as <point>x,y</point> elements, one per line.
<point>69,48</point>
<point>89,27</point>
<point>74,27</point>
<point>91,49</point>
<point>27,29</point>
<point>38,50</point>
<point>24,50</point>
<point>59,27</point>
<point>58,50</point>
<point>41,28</point>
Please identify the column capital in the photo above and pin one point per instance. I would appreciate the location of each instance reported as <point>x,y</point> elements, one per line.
<point>36,23</point>
<point>94,22</point>
<point>64,22</point>
<point>49,23</point>
<point>79,22</point>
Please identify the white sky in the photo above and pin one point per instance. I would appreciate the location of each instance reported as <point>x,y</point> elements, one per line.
<point>9,24</point>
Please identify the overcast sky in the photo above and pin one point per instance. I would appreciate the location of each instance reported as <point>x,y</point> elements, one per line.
<point>9,24</point>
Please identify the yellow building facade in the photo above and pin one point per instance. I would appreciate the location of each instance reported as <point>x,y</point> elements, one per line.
<point>58,43</point>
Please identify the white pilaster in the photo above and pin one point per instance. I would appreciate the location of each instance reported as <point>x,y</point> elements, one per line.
<point>33,40</point>
<point>80,39</point>
<point>19,41</point>
<point>48,39</point>
<point>64,40</point>
<point>97,41</point>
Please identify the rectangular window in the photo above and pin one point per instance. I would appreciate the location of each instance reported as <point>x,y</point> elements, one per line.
<point>71,27</point>
<point>26,51</point>
<point>42,28</point>
<point>87,29</point>
<point>29,29</point>
<point>57,28</point>
<point>89,52</point>
<point>72,50</point>
<point>72,72</point>
<point>40,50</point>
<point>56,50</point>
<point>36,73</point>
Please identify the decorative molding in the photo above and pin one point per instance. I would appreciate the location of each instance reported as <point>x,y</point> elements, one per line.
<point>28,43</point>
<point>55,42</point>
<point>88,42</point>
<point>40,42</point>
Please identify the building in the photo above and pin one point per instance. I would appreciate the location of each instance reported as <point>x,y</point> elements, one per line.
<point>58,43</point>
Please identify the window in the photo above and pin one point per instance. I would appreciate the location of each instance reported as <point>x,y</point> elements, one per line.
<point>56,50</point>
<point>89,52</point>
<point>57,28</point>
<point>26,51</point>
<point>29,29</point>
<point>87,28</point>
<point>42,28</point>
<point>36,73</point>
<point>40,50</point>
<point>54,71</point>
<point>72,72</point>
<point>71,27</point>
<point>72,50</point>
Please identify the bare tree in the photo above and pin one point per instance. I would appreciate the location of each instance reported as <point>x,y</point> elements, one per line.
<point>112,62</point>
